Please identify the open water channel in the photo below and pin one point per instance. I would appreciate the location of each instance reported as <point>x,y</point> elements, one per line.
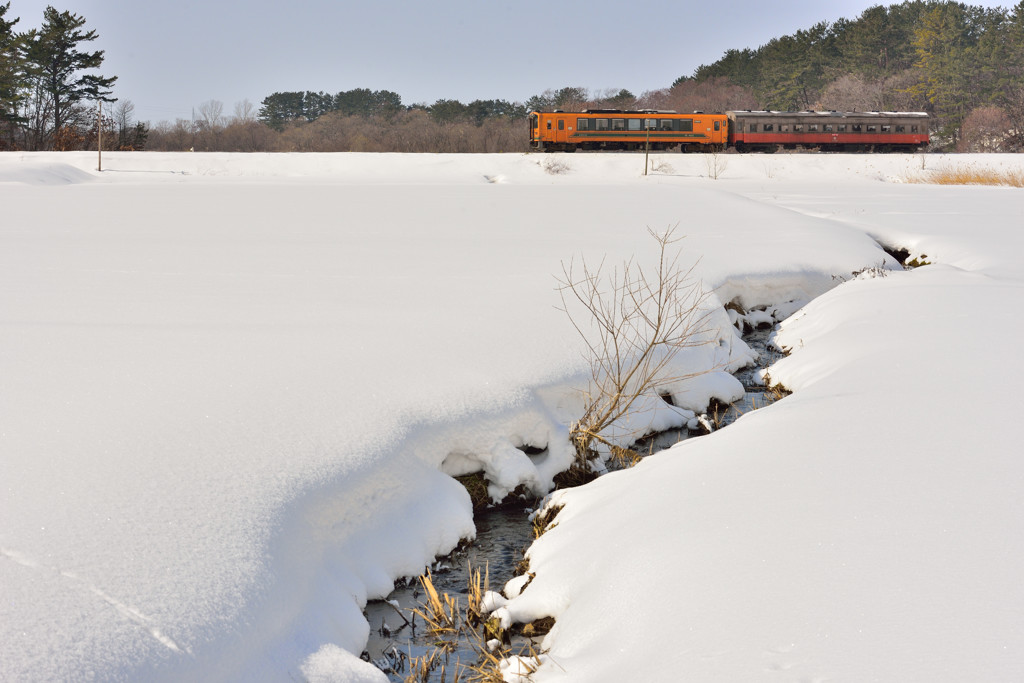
<point>503,535</point>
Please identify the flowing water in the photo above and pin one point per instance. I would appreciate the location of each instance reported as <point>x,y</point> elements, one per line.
<point>503,535</point>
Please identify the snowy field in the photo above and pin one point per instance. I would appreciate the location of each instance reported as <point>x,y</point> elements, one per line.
<point>232,388</point>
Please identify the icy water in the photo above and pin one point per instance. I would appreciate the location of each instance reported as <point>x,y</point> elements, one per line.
<point>503,535</point>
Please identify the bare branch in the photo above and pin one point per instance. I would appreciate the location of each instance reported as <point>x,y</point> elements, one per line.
<point>633,321</point>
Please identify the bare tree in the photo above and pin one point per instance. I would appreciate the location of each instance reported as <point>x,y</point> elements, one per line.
<point>212,113</point>
<point>633,321</point>
<point>1013,105</point>
<point>714,94</point>
<point>123,114</point>
<point>856,93</point>
<point>986,129</point>
<point>245,112</point>
<point>851,92</point>
<point>209,125</point>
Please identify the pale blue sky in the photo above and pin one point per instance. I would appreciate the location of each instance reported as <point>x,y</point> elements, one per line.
<point>172,56</point>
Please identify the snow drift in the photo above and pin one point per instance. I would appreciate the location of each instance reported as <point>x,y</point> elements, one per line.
<point>233,387</point>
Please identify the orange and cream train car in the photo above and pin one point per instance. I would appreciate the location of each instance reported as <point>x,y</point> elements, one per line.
<point>600,129</point>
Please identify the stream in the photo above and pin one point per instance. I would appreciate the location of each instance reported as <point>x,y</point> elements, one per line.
<point>503,533</point>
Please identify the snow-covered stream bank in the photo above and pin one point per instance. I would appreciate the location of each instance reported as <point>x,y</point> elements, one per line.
<point>230,382</point>
<point>503,534</point>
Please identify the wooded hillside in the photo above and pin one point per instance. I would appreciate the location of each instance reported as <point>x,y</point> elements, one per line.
<point>962,64</point>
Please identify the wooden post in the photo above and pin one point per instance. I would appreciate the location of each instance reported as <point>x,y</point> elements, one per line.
<point>647,146</point>
<point>99,135</point>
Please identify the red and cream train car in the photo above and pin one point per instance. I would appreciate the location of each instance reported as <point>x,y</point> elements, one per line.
<point>829,131</point>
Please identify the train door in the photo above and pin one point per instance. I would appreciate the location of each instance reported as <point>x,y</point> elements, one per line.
<point>561,129</point>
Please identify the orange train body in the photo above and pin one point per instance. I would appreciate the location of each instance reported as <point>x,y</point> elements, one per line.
<point>616,129</point>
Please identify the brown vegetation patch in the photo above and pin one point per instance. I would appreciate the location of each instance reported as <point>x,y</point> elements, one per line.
<point>966,175</point>
<point>476,486</point>
<point>543,521</point>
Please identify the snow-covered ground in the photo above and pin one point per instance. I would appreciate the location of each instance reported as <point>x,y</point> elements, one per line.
<point>231,387</point>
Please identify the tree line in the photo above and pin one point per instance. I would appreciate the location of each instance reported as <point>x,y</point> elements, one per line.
<point>963,64</point>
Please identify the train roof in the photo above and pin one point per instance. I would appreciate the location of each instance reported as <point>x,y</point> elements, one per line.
<point>612,111</point>
<point>826,114</point>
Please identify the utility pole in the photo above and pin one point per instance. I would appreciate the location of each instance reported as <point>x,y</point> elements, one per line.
<point>99,135</point>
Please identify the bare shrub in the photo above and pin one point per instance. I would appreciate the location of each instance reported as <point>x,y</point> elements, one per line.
<point>662,166</point>
<point>986,129</point>
<point>247,136</point>
<point>555,166</point>
<point>633,321</point>
<point>716,164</point>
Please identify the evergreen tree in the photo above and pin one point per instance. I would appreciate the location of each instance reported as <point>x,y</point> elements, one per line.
<point>11,76</point>
<point>316,104</point>
<point>56,59</point>
<point>280,108</point>
<point>946,44</point>
<point>366,102</point>
<point>448,111</point>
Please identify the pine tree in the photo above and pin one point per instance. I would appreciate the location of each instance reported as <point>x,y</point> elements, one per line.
<point>57,62</point>
<point>11,76</point>
<point>282,107</point>
<point>947,56</point>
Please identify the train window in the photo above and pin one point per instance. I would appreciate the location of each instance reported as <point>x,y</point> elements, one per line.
<point>769,127</point>
<point>549,124</point>
<point>828,127</point>
<point>798,127</point>
<point>901,129</point>
<point>561,124</point>
<point>666,124</point>
<point>753,128</point>
<point>872,129</point>
<point>842,128</point>
<point>686,125</point>
<point>618,124</point>
<point>886,129</point>
<point>601,124</point>
<point>784,128</point>
<point>718,125</point>
<point>582,124</point>
<point>857,128</point>
<point>651,124</point>
<point>913,129</point>
<point>635,124</point>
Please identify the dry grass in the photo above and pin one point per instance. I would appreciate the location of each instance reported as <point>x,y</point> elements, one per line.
<point>968,175</point>
<point>438,612</point>
<point>447,622</point>
<point>544,520</point>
